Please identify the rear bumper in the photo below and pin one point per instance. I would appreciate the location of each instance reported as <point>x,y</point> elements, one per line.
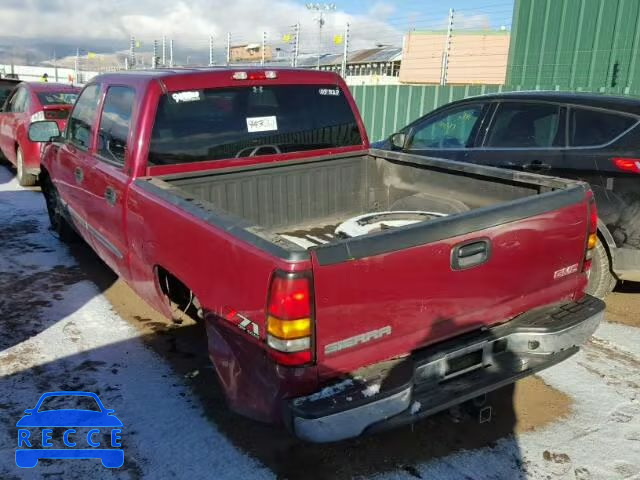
<point>627,264</point>
<point>447,374</point>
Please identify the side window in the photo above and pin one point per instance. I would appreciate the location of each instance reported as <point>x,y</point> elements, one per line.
<point>526,125</point>
<point>114,123</point>
<point>593,127</point>
<point>83,116</point>
<point>17,102</point>
<point>452,129</point>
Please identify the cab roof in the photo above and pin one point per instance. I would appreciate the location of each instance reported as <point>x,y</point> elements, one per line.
<point>214,73</point>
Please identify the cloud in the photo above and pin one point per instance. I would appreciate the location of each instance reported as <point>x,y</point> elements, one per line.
<point>188,23</point>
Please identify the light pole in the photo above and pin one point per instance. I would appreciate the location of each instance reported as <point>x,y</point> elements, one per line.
<point>320,8</point>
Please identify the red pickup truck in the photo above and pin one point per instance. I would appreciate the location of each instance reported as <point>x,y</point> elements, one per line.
<point>344,290</point>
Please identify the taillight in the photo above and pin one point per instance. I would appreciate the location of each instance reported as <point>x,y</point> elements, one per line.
<point>38,116</point>
<point>266,75</point>
<point>289,319</point>
<point>630,165</point>
<point>56,114</point>
<point>592,239</point>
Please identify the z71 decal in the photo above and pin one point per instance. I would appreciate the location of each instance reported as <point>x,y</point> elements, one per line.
<point>243,323</point>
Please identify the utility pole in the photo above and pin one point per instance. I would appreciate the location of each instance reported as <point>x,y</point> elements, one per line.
<point>164,50</point>
<point>296,46</point>
<point>264,47</point>
<point>154,60</point>
<point>77,66</point>
<point>228,48</point>
<point>447,49</point>
<point>210,50</point>
<point>132,51</point>
<point>320,8</point>
<point>171,52</point>
<point>345,52</point>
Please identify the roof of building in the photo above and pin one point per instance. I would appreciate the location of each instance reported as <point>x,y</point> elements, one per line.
<point>369,55</point>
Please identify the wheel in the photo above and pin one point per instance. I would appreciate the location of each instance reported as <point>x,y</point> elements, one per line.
<point>59,223</point>
<point>601,280</point>
<point>24,179</point>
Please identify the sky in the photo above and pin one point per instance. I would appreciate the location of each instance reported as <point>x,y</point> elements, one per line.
<point>106,25</point>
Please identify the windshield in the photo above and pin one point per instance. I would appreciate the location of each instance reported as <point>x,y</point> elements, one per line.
<point>212,124</point>
<point>57,98</point>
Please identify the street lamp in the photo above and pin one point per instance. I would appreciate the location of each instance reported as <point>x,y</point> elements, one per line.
<point>320,8</point>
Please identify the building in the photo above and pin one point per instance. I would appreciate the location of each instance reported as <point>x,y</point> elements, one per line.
<point>371,66</point>
<point>475,57</point>
<point>250,53</point>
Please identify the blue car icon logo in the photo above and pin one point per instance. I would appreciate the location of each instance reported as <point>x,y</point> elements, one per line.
<point>53,431</point>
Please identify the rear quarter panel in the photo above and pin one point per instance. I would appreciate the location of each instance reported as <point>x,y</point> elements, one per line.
<point>224,273</point>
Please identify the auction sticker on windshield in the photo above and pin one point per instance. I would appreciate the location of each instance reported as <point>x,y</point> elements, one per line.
<point>262,124</point>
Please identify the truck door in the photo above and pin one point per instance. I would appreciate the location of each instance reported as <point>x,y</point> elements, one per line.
<point>74,157</point>
<point>106,181</point>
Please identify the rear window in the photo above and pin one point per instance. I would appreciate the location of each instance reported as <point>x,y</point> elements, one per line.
<point>595,127</point>
<point>212,124</point>
<point>57,98</point>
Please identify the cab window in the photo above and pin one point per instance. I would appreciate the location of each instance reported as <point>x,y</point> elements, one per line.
<point>451,129</point>
<point>114,124</point>
<point>526,125</point>
<point>83,117</point>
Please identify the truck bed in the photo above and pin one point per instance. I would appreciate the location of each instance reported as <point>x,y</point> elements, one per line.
<point>298,205</point>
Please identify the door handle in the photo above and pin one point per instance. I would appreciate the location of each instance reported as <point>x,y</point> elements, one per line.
<point>79,174</point>
<point>537,166</point>
<point>470,254</point>
<point>110,196</point>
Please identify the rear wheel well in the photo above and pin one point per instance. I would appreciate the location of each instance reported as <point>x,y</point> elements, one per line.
<point>181,298</point>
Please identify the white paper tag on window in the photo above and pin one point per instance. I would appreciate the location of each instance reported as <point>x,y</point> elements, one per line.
<point>192,96</point>
<point>262,124</point>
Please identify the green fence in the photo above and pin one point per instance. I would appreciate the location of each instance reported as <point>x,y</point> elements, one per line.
<point>385,109</point>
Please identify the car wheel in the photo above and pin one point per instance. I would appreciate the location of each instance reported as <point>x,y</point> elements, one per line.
<point>601,280</point>
<point>59,223</point>
<point>24,179</point>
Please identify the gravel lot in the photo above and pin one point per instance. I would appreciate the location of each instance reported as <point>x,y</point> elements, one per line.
<point>67,323</point>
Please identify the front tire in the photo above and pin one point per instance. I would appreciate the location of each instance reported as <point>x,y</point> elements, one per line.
<point>24,179</point>
<point>59,223</point>
<point>601,280</point>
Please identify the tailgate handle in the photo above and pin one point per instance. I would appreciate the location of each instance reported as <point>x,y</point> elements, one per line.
<point>470,254</point>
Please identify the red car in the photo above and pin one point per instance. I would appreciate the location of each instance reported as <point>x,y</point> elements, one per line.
<point>28,103</point>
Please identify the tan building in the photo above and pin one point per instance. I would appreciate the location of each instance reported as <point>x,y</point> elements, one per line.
<point>249,53</point>
<point>474,58</point>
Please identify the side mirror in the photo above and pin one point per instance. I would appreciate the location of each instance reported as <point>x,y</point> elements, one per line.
<point>398,141</point>
<point>43,131</point>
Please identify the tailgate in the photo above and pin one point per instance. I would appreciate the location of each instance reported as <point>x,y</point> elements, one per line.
<point>386,294</point>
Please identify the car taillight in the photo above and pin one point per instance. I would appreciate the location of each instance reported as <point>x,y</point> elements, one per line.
<point>56,114</point>
<point>266,75</point>
<point>38,116</point>
<point>630,165</point>
<point>592,239</point>
<point>290,319</point>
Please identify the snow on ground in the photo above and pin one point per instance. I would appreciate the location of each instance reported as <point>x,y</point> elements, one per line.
<point>58,332</point>
<point>70,339</point>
